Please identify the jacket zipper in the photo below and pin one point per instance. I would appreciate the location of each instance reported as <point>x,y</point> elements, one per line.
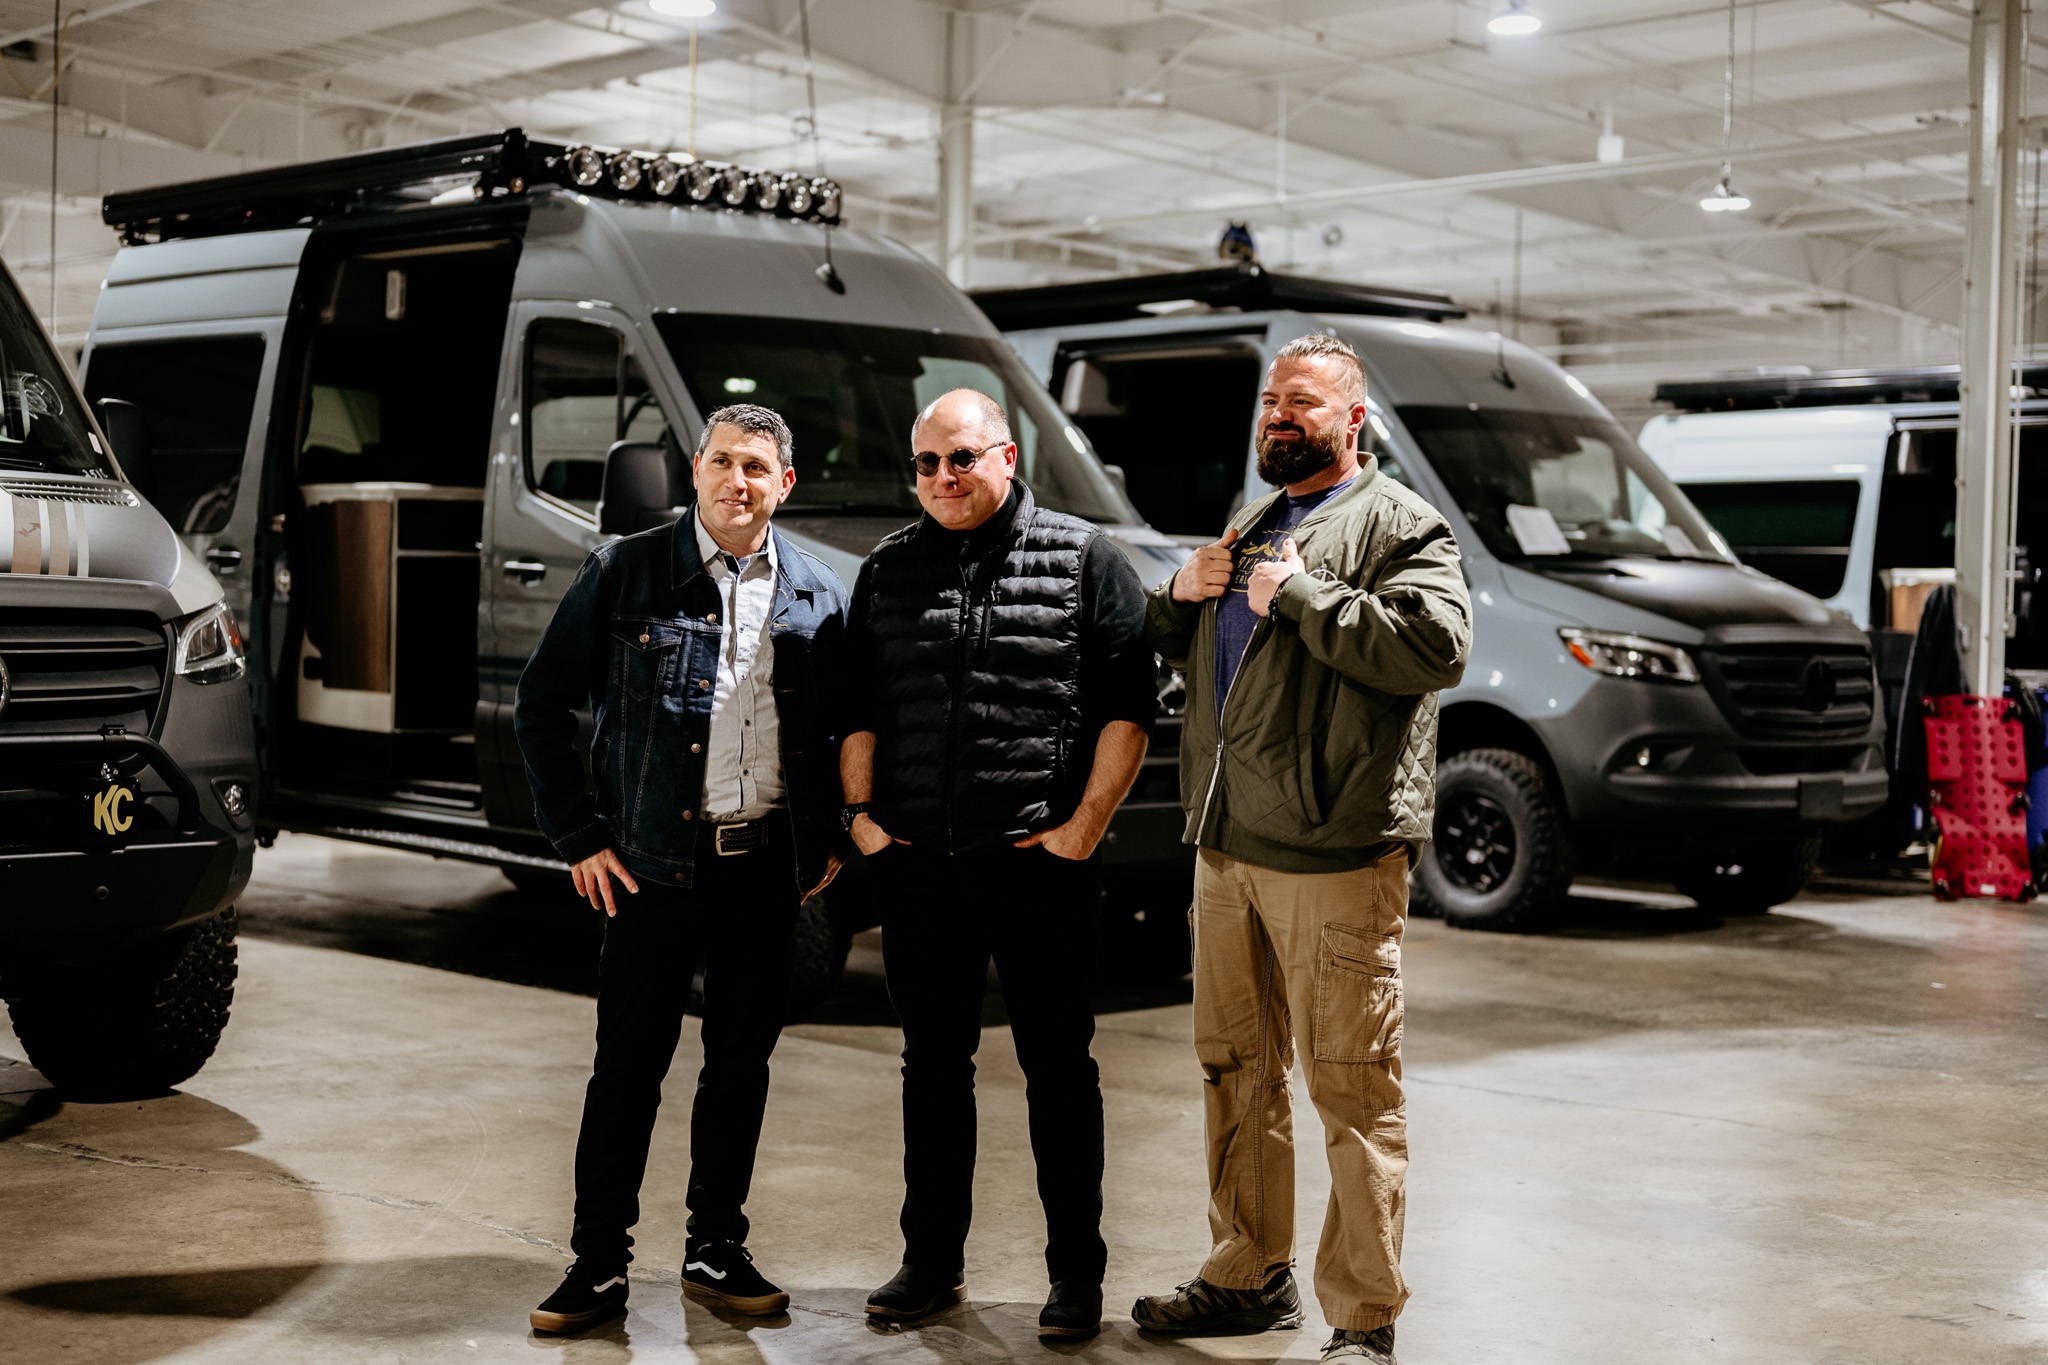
<point>959,680</point>
<point>1222,709</point>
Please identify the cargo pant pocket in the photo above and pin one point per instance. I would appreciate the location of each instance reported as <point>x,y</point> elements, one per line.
<point>1358,996</point>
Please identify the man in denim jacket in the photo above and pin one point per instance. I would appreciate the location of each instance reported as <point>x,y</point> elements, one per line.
<point>701,649</point>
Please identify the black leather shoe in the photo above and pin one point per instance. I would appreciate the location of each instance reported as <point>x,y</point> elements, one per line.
<point>1374,1348</point>
<point>723,1272</point>
<point>1201,1309</point>
<point>912,1294</point>
<point>588,1296</point>
<point>1073,1311</point>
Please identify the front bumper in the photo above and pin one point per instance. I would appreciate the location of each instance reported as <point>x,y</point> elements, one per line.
<point>1702,772</point>
<point>80,873</point>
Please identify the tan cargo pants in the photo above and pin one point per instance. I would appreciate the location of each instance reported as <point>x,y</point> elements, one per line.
<point>1313,956</point>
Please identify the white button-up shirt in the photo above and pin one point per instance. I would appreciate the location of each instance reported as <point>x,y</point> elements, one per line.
<point>743,765</point>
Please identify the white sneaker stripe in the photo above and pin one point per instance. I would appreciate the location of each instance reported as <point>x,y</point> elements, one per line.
<point>616,1279</point>
<point>699,1265</point>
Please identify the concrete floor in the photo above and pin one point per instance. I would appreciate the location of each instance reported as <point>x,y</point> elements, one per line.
<point>1652,1137</point>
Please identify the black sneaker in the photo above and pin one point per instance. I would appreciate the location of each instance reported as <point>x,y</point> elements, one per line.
<point>1072,1311</point>
<point>588,1296</point>
<point>724,1273</point>
<point>1200,1309</point>
<point>1375,1347</point>
<point>912,1295</point>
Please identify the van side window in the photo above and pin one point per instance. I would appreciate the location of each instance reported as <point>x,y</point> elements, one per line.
<point>198,399</point>
<point>584,392</point>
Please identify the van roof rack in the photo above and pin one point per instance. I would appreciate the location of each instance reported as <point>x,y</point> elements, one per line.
<point>496,164</point>
<point>1799,387</point>
<point>1245,286</point>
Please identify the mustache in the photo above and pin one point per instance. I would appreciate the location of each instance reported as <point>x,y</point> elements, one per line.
<point>1283,426</point>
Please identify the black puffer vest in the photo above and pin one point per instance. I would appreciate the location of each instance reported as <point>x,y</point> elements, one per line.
<point>979,733</point>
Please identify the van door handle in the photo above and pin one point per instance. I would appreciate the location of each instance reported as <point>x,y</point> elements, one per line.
<point>224,558</point>
<point>526,571</point>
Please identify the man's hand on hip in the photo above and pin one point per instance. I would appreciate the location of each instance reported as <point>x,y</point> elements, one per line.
<point>869,837</point>
<point>1267,578</point>
<point>1074,840</point>
<point>1207,572</point>
<point>593,880</point>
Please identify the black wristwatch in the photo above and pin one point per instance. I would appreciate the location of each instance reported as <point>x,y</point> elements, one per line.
<point>852,809</point>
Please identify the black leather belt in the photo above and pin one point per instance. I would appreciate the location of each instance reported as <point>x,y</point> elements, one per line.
<point>739,836</point>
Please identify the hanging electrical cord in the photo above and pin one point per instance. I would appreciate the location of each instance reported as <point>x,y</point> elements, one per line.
<point>828,274</point>
<point>1723,197</point>
<point>691,145</point>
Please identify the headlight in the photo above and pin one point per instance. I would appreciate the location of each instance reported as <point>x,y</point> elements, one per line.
<point>1629,656</point>
<point>209,646</point>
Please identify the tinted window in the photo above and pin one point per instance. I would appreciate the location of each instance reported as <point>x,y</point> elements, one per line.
<point>41,428</point>
<point>1797,531</point>
<point>197,399</point>
<point>850,394</point>
<point>584,392</point>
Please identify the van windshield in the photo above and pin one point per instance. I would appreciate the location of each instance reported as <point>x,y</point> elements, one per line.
<point>41,428</point>
<point>1558,485</point>
<point>850,393</point>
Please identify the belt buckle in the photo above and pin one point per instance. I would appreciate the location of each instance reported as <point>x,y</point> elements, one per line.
<point>737,830</point>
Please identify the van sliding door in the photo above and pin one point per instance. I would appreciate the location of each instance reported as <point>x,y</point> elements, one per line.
<point>576,382</point>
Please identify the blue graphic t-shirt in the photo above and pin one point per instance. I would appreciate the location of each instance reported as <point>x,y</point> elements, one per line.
<point>1234,616</point>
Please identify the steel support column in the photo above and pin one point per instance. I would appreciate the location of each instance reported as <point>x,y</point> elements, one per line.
<point>956,154</point>
<point>1985,464</point>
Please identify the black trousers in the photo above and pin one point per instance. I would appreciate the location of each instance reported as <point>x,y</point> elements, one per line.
<point>737,921</point>
<point>945,918</point>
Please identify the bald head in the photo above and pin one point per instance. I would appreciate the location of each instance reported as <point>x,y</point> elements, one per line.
<point>972,425</point>
<point>961,409</point>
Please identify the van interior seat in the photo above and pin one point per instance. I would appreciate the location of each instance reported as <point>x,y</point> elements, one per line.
<point>580,481</point>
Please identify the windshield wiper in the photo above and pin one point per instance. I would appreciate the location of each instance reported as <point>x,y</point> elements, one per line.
<point>843,509</point>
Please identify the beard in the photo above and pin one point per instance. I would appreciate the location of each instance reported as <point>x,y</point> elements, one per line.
<point>1285,462</point>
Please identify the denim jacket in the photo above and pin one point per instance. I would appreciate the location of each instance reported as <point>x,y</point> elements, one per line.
<point>635,639</point>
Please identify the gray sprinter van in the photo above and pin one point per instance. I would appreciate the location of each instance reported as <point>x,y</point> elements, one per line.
<point>1637,701</point>
<point>127,766</point>
<point>398,397</point>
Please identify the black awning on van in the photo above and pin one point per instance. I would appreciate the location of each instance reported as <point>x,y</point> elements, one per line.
<point>1246,287</point>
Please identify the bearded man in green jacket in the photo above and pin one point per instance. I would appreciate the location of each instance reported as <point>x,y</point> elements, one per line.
<point>1314,635</point>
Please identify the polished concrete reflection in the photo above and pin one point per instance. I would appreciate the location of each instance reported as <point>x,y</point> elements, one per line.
<point>1815,1136</point>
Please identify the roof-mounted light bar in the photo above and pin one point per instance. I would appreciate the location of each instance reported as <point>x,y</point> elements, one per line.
<point>677,178</point>
<point>497,164</point>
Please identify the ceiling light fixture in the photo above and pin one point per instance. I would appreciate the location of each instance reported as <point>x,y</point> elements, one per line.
<point>1724,198</point>
<point>1513,22</point>
<point>684,9</point>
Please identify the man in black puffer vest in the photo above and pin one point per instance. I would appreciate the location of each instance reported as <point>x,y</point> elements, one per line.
<point>1001,693</point>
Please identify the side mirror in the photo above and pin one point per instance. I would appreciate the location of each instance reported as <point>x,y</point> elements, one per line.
<point>1116,476</point>
<point>636,494</point>
<point>129,435</point>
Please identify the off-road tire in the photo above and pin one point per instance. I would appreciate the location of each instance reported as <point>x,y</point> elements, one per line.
<point>132,1026</point>
<point>1511,878</point>
<point>1750,876</point>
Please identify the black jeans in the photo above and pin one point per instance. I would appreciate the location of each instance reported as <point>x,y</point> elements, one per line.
<point>945,917</point>
<point>737,921</point>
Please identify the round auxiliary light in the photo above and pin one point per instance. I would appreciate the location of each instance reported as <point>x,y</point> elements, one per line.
<point>700,179</point>
<point>768,190</point>
<point>733,183</point>
<point>586,166</point>
<point>828,199</point>
<point>626,171</point>
<point>663,176</point>
<point>801,197</point>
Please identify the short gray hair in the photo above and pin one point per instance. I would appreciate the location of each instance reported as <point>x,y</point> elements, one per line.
<point>1327,346</point>
<point>751,417</point>
<point>987,410</point>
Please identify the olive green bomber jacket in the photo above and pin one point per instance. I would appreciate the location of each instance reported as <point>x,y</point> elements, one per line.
<point>1327,741</point>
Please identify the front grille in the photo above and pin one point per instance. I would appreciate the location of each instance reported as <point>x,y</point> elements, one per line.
<point>71,675</point>
<point>1799,758</point>
<point>98,494</point>
<point>1793,688</point>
